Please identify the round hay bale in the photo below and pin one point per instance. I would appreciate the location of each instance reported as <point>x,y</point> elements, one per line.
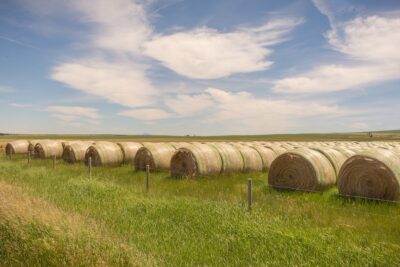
<point>156,155</point>
<point>104,154</point>
<point>373,173</point>
<point>302,169</point>
<point>276,148</point>
<point>76,151</point>
<point>267,156</point>
<point>17,147</point>
<point>129,149</point>
<point>195,160</point>
<point>335,157</point>
<point>251,158</point>
<point>48,148</point>
<point>232,160</point>
<point>32,144</point>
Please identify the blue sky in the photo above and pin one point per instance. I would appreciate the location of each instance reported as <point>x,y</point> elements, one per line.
<point>199,67</point>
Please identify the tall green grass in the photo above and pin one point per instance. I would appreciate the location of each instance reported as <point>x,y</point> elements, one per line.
<point>206,222</point>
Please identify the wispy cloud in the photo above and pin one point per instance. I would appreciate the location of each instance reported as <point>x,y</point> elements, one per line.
<point>206,53</point>
<point>370,45</point>
<point>74,115</point>
<point>146,114</point>
<point>17,42</point>
<point>19,105</point>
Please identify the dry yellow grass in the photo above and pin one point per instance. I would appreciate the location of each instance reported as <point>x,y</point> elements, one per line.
<point>38,228</point>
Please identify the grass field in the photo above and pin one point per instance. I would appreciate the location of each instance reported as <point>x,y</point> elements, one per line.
<point>61,217</point>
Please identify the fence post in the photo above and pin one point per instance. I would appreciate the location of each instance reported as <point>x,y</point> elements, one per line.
<point>54,161</point>
<point>90,167</point>
<point>249,193</point>
<point>147,178</point>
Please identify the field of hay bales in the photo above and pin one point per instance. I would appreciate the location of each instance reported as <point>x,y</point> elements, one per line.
<point>62,216</point>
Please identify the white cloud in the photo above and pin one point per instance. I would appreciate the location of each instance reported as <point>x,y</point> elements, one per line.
<point>113,69</point>
<point>328,78</point>
<point>186,105</point>
<point>372,45</point>
<point>121,25</point>
<point>74,115</point>
<point>243,112</point>
<point>122,83</point>
<point>146,114</point>
<point>206,53</point>
<point>18,105</point>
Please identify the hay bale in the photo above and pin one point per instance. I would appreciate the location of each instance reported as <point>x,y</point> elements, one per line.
<point>157,155</point>
<point>276,148</point>
<point>17,147</point>
<point>76,151</point>
<point>335,157</point>
<point>251,158</point>
<point>267,156</point>
<point>232,160</point>
<point>104,154</point>
<point>374,173</point>
<point>302,169</point>
<point>195,160</point>
<point>32,144</point>
<point>48,148</point>
<point>129,149</point>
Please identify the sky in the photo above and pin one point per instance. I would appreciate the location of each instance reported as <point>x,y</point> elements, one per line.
<point>181,67</point>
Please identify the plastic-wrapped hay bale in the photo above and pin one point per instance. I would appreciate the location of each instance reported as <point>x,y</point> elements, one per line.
<point>195,160</point>
<point>267,155</point>
<point>156,155</point>
<point>335,157</point>
<point>302,169</point>
<point>232,160</point>
<point>129,149</point>
<point>251,158</point>
<point>373,173</point>
<point>48,148</point>
<point>17,147</point>
<point>104,154</point>
<point>76,151</point>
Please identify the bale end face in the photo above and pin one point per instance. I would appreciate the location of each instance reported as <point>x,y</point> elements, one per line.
<point>144,157</point>
<point>292,172</point>
<point>94,155</point>
<point>69,155</point>
<point>9,150</point>
<point>184,164</point>
<point>362,176</point>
